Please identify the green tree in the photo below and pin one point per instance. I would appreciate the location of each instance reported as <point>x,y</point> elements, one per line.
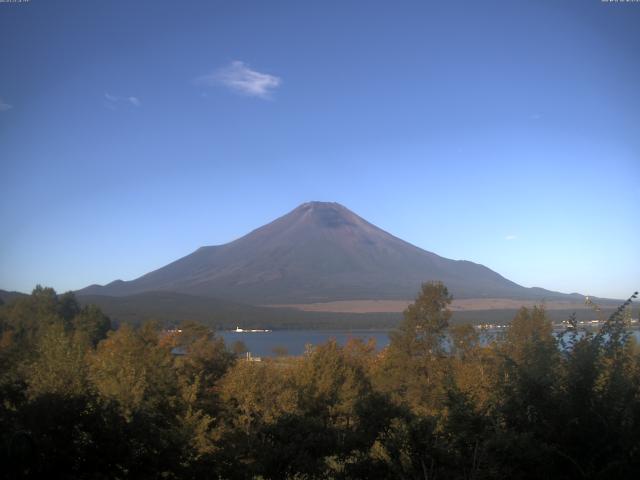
<point>205,360</point>
<point>59,366</point>
<point>425,321</point>
<point>132,372</point>
<point>93,323</point>
<point>464,340</point>
<point>414,365</point>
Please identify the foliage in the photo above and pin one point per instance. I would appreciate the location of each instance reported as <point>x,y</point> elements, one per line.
<point>81,400</point>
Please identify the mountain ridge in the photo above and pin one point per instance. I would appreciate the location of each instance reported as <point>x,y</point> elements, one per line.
<point>319,252</point>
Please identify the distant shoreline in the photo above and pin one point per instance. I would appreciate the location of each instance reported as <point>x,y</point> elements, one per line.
<point>398,306</point>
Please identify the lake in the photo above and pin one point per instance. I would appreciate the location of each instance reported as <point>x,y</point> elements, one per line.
<point>263,344</point>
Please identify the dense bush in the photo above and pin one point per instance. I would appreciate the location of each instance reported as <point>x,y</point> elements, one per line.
<point>79,400</point>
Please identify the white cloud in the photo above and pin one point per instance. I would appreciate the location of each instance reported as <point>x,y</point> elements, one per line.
<point>240,78</point>
<point>511,237</point>
<point>4,106</point>
<point>112,101</point>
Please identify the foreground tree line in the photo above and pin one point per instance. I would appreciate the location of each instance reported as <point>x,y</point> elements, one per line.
<point>81,400</point>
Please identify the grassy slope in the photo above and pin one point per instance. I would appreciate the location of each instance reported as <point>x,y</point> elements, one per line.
<point>7,297</point>
<point>171,308</point>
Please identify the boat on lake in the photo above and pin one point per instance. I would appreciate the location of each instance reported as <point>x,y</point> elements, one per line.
<point>242,330</point>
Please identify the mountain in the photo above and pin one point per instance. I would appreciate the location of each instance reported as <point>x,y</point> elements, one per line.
<point>8,297</point>
<point>172,308</point>
<point>318,252</point>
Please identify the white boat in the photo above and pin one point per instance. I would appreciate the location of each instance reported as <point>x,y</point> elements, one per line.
<point>242,330</point>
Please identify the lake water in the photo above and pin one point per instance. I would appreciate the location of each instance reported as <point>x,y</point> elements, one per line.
<point>294,341</point>
<point>263,344</point>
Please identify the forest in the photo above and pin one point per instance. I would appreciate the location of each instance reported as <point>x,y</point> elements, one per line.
<point>80,399</point>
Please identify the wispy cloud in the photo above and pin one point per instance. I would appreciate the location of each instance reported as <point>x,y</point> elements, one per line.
<point>510,237</point>
<point>4,106</point>
<point>112,101</point>
<point>241,79</point>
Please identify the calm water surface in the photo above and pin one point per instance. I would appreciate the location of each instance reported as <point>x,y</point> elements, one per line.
<point>263,344</point>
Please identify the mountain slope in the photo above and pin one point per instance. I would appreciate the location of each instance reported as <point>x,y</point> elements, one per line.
<point>8,297</point>
<point>173,308</point>
<point>318,252</point>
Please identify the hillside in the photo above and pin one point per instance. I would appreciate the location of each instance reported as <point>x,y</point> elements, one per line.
<point>8,297</point>
<point>319,252</point>
<point>173,308</point>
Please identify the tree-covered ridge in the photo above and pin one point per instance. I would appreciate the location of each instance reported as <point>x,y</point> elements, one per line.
<point>81,400</point>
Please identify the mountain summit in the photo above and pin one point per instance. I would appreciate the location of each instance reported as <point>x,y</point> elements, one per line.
<point>318,252</point>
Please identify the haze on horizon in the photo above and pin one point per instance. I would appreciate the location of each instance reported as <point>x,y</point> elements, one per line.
<point>506,133</point>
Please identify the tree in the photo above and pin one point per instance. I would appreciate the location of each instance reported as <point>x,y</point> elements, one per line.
<point>425,321</point>
<point>93,323</point>
<point>59,367</point>
<point>133,373</point>
<point>239,348</point>
<point>414,364</point>
<point>464,340</point>
<point>206,357</point>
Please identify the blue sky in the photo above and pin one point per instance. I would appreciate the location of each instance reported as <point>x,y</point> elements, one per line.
<point>502,132</point>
